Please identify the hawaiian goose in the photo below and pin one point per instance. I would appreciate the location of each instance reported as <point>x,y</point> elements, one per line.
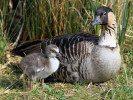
<point>93,58</point>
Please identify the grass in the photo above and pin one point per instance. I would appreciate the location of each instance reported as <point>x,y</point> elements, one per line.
<point>63,17</point>
<point>120,87</point>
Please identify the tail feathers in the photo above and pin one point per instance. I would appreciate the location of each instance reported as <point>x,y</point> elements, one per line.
<point>27,48</point>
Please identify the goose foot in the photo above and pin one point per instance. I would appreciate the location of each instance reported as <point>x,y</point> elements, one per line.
<point>101,84</point>
<point>89,85</point>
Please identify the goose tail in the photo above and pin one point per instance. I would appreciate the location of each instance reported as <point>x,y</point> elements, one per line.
<point>27,47</point>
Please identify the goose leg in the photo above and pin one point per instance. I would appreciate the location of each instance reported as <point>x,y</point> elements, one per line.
<point>42,81</point>
<point>30,84</point>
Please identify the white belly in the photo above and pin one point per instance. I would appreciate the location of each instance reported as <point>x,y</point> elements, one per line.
<point>105,64</point>
<point>54,63</point>
<point>47,70</point>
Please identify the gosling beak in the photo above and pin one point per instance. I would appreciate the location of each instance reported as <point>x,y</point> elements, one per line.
<point>96,21</point>
<point>58,55</point>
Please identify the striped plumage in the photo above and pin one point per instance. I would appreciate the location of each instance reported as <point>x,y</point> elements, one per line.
<point>93,58</point>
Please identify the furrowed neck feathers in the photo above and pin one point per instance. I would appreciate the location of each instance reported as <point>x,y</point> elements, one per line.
<point>108,32</point>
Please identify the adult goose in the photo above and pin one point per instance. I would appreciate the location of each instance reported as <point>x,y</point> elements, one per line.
<point>94,58</point>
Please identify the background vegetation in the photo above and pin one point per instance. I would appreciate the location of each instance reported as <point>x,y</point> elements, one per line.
<point>37,19</point>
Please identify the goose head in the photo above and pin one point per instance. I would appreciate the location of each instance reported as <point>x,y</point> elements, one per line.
<point>52,51</point>
<point>103,16</point>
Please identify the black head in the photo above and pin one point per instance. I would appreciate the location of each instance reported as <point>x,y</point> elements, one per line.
<point>101,16</point>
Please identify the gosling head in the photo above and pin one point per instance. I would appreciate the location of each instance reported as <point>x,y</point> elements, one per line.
<point>52,50</point>
<point>103,16</point>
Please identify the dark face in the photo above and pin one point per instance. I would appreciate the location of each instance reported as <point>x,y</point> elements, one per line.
<point>101,16</point>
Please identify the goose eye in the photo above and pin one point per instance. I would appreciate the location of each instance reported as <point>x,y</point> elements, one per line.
<point>104,13</point>
<point>53,51</point>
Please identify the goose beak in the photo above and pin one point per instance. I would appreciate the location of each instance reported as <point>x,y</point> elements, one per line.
<point>96,21</point>
<point>58,55</point>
